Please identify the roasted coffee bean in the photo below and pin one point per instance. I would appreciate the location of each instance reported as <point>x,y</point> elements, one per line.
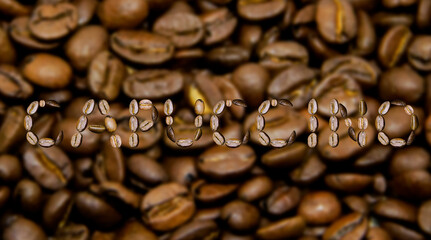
<point>146,169</point>
<point>423,217</point>
<point>309,171</point>
<point>125,14</point>
<point>10,168</point>
<point>219,24</point>
<point>167,206</point>
<point>283,199</point>
<point>220,162</point>
<point>85,44</point>
<point>11,130</point>
<point>57,208</point>
<point>285,157</point>
<point>366,39</point>
<point>398,231</point>
<point>240,216</point>
<point>134,230</point>
<point>96,211</point>
<point>228,56</point>
<point>51,22</point>
<point>251,80</point>
<point>47,70</point>
<point>282,229</point>
<point>196,230</point>
<point>13,84</point>
<point>319,207</point>
<point>351,226</point>
<point>417,53</point>
<point>109,164</point>
<point>348,182</point>
<point>73,231</point>
<point>260,10</point>
<point>181,169</point>
<point>282,54</point>
<point>393,45</point>
<point>185,29</point>
<point>336,20</point>
<point>50,167</point>
<point>14,8</point>
<point>153,84</point>
<point>422,15</point>
<point>396,209</point>
<point>28,195</point>
<point>142,47</point>
<point>17,227</point>
<point>255,188</point>
<point>21,34</point>
<point>412,84</point>
<point>212,192</point>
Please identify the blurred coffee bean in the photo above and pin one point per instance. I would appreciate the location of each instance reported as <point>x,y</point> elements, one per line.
<point>348,182</point>
<point>124,14</point>
<point>212,192</point>
<point>240,216</point>
<point>142,47</point>
<point>366,39</point>
<point>319,207</point>
<point>251,80</point>
<point>11,130</point>
<point>135,230</point>
<point>410,89</point>
<point>398,231</point>
<point>86,10</point>
<point>53,21</point>
<point>20,228</point>
<point>146,169</point>
<point>255,188</point>
<point>28,195</point>
<point>281,54</point>
<point>219,24</point>
<point>181,169</point>
<point>96,211</point>
<point>351,226</point>
<point>396,210</point>
<point>14,8</point>
<point>283,199</point>
<point>336,29</point>
<point>57,209</point>
<point>393,45</point>
<point>423,217</point>
<point>7,50</point>
<point>282,229</point>
<point>109,164</point>
<point>72,231</point>
<point>84,45</point>
<point>47,70</point>
<point>309,171</point>
<point>412,184</point>
<point>50,167</point>
<point>167,206</point>
<point>219,162</point>
<point>410,158</point>
<point>10,168</point>
<point>260,10</point>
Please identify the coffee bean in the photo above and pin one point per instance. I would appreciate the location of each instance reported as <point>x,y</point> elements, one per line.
<point>73,231</point>
<point>167,206</point>
<point>105,75</point>
<point>109,164</point>
<point>146,169</point>
<point>28,196</point>
<point>398,231</point>
<point>47,70</point>
<point>127,14</point>
<point>50,167</point>
<point>212,192</point>
<point>219,24</point>
<point>18,227</point>
<point>393,45</point>
<point>240,216</point>
<point>141,47</point>
<point>343,24</point>
<point>412,84</point>
<point>153,84</point>
<point>319,207</point>
<point>282,229</point>
<point>282,54</point>
<point>196,229</point>
<point>396,209</point>
<point>348,182</point>
<point>255,188</point>
<point>50,22</point>
<point>283,199</point>
<point>134,230</point>
<point>213,161</point>
<point>353,225</point>
<point>56,208</point>
<point>254,11</point>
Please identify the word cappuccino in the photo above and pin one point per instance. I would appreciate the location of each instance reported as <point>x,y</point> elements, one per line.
<point>135,124</point>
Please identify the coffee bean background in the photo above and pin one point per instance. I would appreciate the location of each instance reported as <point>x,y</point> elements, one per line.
<point>64,176</point>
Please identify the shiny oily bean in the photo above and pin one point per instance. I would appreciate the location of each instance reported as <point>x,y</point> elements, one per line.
<point>32,108</point>
<point>384,108</point>
<point>409,110</point>
<point>145,104</point>
<point>82,123</point>
<point>219,107</point>
<point>115,141</point>
<point>133,107</point>
<point>362,138</point>
<point>198,121</point>
<point>146,125</point>
<point>214,122</point>
<point>333,139</point>
<point>28,122</point>
<point>168,107</point>
<point>333,106</point>
<point>380,123</point>
<point>333,123</point>
<point>397,142</point>
<point>46,142</point>
<point>411,138</point>
<point>133,123</point>
<point>260,122</point>
<point>383,138</point>
<point>264,139</point>
<point>76,140</point>
<point>414,123</point>
<point>199,107</point>
<point>264,107</point>
<point>95,128</point>
<point>218,138</point>
<point>233,142</point>
<point>110,124</point>
<point>312,106</point>
<point>313,124</point>
<point>104,107</point>
<point>32,138</point>
<point>312,140</point>
<point>393,45</point>
<point>362,123</point>
<point>348,122</point>
<point>133,140</point>
<point>88,107</point>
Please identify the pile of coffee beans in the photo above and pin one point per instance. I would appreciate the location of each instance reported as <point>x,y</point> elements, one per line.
<point>215,119</point>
